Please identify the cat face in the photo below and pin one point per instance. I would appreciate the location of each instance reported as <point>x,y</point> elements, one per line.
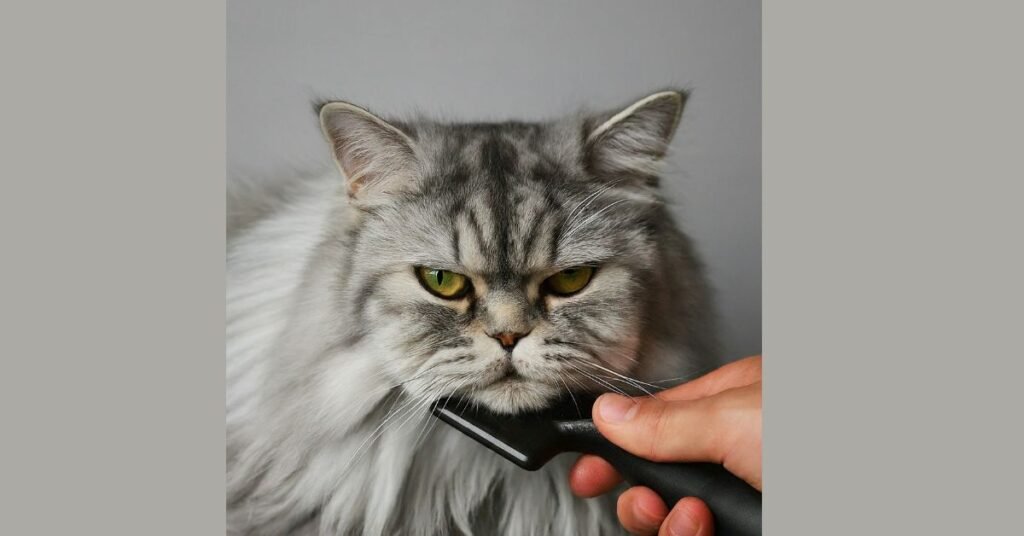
<point>506,263</point>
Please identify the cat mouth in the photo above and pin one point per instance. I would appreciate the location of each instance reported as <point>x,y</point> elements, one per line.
<point>508,390</point>
<point>511,375</point>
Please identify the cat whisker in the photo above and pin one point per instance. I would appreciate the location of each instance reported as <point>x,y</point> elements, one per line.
<point>431,423</point>
<point>597,380</point>
<point>624,379</point>
<point>379,430</point>
<point>583,204</point>
<point>569,391</point>
<point>371,397</point>
<point>587,201</point>
<point>618,353</point>
<point>608,378</point>
<point>632,381</point>
<point>568,235</point>
<point>683,379</point>
<point>417,411</point>
<point>576,382</point>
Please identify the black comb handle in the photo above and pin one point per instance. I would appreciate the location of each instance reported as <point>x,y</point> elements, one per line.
<point>735,504</point>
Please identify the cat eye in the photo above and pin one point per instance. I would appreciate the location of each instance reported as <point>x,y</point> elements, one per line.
<point>569,281</point>
<point>443,283</point>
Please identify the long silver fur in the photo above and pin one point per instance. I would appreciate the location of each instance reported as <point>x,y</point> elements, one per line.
<point>334,350</point>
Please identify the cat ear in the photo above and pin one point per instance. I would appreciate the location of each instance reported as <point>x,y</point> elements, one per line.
<point>633,141</point>
<point>375,157</point>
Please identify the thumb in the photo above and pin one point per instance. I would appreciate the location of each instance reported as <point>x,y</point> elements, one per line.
<point>660,430</point>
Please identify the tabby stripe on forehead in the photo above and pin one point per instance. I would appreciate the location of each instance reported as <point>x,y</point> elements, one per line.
<point>531,236</point>
<point>555,239</point>
<point>478,232</point>
<point>457,207</point>
<point>498,158</point>
<point>455,241</point>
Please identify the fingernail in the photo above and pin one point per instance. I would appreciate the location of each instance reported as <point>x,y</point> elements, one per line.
<point>615,408</point>
<point>681,524</point>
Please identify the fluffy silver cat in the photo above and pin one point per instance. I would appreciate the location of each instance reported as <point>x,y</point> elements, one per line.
<point>503,262</point>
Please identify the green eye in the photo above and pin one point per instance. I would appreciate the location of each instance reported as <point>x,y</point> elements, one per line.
<point>569,281</point>
<point>448,285</point>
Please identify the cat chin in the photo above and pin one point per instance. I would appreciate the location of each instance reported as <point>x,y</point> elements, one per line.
<point>516,396</point>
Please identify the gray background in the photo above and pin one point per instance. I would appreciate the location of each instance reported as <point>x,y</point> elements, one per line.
<point>523,60</point>
<point>890,398</point>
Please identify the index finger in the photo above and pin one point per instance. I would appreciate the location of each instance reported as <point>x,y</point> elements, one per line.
<point>592,476</point>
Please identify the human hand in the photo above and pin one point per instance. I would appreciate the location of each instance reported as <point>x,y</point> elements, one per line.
<point>715,418</point>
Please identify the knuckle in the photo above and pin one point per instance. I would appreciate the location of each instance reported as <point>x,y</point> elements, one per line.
<point>658,418</point>
<point>723,433</point>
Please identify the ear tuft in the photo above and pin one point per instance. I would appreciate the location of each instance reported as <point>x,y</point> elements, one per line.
<point>375,157</point>
<point>634,140</point>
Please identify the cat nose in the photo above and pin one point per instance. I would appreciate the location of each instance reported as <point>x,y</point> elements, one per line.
<point>507,339</point>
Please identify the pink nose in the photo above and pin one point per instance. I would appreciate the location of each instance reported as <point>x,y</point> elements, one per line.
<point>508,340</point>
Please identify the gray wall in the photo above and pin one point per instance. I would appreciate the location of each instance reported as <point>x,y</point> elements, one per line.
<point>523,59</point>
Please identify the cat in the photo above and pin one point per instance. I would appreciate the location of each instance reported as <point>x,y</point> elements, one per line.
<point>504,262</point>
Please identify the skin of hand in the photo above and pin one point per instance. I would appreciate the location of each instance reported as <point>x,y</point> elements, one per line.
<point>715,418</point>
